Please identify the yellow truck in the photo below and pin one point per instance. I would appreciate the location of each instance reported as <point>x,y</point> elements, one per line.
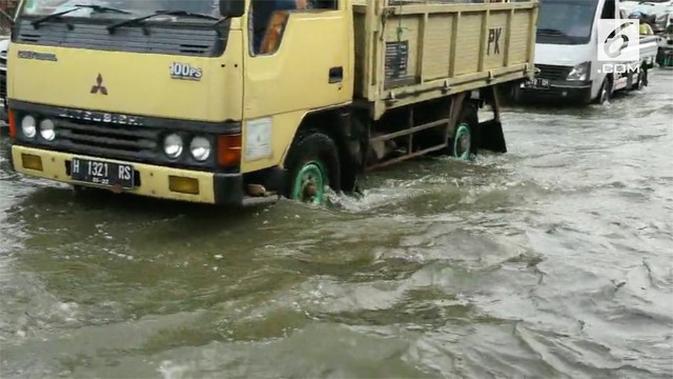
<point>239,102</point>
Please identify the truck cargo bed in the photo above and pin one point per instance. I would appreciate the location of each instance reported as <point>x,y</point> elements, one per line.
<point>412,51</point>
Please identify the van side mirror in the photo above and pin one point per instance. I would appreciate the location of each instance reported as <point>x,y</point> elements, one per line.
<point>232,8</point>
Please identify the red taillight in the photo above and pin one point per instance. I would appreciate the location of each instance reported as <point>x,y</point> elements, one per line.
<point>229,150</point>
<point>12,124</point>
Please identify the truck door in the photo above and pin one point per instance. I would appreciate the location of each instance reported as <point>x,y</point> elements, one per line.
<point>299,59</point>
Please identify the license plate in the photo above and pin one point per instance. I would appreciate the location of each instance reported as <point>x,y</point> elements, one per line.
<point>102,173</point>
<point>538,83</point>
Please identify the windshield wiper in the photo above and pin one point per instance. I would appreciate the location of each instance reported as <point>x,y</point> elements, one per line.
<point>178,13</point>
<point>95,8</point>
<point>548,31</point>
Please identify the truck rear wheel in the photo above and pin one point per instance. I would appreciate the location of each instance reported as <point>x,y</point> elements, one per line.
<point>312,166</point>
<point>463,144</point>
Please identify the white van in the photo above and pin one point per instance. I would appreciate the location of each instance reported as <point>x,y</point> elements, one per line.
<point>567,54</point>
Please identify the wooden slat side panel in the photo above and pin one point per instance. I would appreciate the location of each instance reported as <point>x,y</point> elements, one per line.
<point>449,48</point>
<point>406,29</point>
<point>520,37</point>
<point>436,58</point>
<point>468,42</point>
<point>496,47</point>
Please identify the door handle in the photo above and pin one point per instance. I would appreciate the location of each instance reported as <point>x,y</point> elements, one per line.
<point>336,75</point>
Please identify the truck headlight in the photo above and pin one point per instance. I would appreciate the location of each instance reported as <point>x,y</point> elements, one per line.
<point>48,129</point>
<point>173,146</point>
<point>200,148</point>
<point>29,126</point>
<point>580,72</point>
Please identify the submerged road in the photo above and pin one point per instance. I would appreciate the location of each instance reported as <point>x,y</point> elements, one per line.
<point>555,260</point>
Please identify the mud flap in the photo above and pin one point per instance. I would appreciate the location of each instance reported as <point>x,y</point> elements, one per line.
<point>491,137</point>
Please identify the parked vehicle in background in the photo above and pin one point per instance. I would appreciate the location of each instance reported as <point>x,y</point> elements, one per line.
<point>236,102</point>
<point>665,55</point>
<point>566,57</point>
<point>658,10</point>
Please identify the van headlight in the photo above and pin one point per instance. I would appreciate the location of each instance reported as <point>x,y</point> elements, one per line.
<point>29,126</point>
<point>200,148</point>
<point>173,146</point>
<point>580,72</point>
<point>48,129</point>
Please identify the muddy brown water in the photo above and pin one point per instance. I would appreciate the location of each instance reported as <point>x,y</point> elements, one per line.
<point>555,260</point>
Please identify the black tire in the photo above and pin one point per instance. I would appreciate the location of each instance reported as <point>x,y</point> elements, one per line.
<point>469,120</point>
<point>605,93</point>
<point>313,146</point>
<point>638,85</point>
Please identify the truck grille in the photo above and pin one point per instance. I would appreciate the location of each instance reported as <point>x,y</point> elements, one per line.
<point>553,72</point>
<point>114,141</point>
<point>191,41</point>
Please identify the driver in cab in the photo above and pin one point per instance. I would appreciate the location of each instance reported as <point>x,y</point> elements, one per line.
<point>263,11</point>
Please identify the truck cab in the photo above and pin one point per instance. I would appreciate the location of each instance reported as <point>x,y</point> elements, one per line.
<point>150,97</point>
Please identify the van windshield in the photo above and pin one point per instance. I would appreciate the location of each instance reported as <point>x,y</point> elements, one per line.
<point>566,22</point>
<point>134,7</point>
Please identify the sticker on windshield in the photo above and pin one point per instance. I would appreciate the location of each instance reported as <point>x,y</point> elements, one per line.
<point>185,71</point>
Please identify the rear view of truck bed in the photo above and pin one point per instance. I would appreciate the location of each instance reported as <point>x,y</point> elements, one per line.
<point>412,51</point>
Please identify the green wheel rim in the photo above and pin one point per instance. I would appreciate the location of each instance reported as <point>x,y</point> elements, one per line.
<point>309,184</point>
<point>462,144</point>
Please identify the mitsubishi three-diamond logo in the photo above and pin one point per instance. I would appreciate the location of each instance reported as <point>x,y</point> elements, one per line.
<point>99,87</point>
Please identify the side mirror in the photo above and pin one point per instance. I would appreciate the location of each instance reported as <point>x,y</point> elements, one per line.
<point>232,8</point>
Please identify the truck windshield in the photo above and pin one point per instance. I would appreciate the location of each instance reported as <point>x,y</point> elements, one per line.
<point>566,22</point>
<point>135,7</point>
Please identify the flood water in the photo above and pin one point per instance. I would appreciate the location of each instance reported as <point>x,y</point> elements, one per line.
<point>554,260</point>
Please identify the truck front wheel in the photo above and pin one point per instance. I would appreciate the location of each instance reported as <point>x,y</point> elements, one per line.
<point>312,166</point>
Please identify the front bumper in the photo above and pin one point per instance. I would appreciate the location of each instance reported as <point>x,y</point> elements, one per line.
<point>213,188</point>
<point>559,91</point>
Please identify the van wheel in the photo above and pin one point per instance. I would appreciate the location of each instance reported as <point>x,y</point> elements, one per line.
<point>463,144</point>
<point>605,92</point>
<point>645,81</point>
<point>638,85</point>
<point>312,165</point>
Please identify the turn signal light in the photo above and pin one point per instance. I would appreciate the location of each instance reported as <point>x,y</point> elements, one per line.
<point>182,184</point>
<point>31,162</point>
<point>12,124</point>
<point>229,150</point>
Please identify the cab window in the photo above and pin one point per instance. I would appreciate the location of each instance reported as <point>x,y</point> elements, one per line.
<point>269,19</point>
<point>609,10</point>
